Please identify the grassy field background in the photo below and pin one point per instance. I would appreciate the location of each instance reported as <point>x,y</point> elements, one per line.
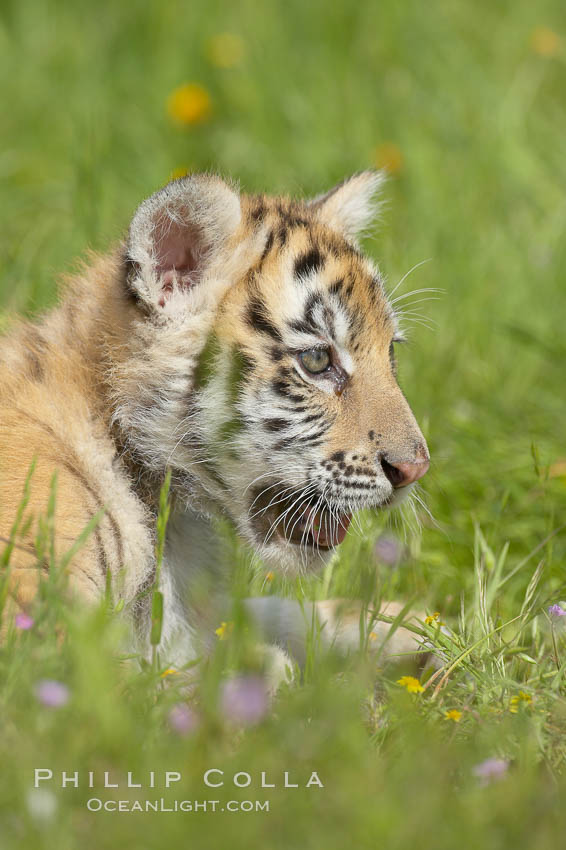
<point>464,103</point>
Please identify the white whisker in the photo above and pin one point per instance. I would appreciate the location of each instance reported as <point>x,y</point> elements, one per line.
<point>406,275</point>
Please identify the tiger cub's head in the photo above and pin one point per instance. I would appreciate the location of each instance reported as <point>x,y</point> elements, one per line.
<point>272,393</point>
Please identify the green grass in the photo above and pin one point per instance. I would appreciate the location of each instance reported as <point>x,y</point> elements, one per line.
<point>477,115</point>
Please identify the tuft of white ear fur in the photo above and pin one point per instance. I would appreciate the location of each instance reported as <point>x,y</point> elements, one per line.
<point>351,206</point>
<point>177,232</point>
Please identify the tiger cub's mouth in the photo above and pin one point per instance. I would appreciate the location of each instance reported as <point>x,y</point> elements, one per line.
<point>307,521</point>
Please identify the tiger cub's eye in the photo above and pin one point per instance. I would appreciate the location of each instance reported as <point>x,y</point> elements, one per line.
<point>315,360</point>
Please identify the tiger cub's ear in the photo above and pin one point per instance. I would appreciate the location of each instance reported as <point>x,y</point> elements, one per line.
<point>175,237</point>
<point>351,206</point>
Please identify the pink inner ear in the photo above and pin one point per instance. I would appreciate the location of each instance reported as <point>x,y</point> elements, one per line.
<point>177,249</point>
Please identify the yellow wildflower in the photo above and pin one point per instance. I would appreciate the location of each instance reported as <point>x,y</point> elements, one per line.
<point>169,672</point>
<point>434,619</point>
<point>453,714</point>
<point>389,157</point>
<point>516,701</point>
<point>557,470</point>
<point>372,635</point>
<point>545,42</point>
<point>179,172</point>
<point>225,50</point>
<point>269,576</point>
<point>412,685</point>
<point>224,630</point>
<point>189,104</point>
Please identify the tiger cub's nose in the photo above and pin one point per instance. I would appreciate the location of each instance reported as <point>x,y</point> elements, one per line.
<point>403,473</point>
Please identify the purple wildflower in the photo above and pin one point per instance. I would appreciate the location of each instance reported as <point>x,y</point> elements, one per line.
<point>51,693</point>
<point>389,550</point>
<point>182,719</point>
<point>556,611</point>
<point>244,699</point>
<point>491,770</point>
<point>41,803</point>
<point>23,621</point>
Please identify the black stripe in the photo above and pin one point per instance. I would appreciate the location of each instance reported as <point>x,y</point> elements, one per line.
<point>257,212</point>
<point>313,301</point>
<point>211,469</point>
<point>322,199</point>
<point>312,418</point>
<point>257,318</point>
<point>285,443</point>
<point>291,216</point>
<point>282,234</point>
<point>308,263</point>
<point>276,353</point>
<point>280,388</point>
<point>301,326</point>
<point>289,374</point>
<point>356,321</point>
<point>131,272</point>
<point>36,347</point>
<point>268,245</point>
<point>118,542</point>
<point>308,437</point>
<point>35,367</point>
<point>275,424</point>
<point>283,389</point>
<point>102,558</point>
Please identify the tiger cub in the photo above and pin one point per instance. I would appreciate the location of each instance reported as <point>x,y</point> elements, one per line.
<point>245,343</point>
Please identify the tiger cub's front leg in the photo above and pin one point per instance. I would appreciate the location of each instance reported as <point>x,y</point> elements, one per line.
<point>336,624</point>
